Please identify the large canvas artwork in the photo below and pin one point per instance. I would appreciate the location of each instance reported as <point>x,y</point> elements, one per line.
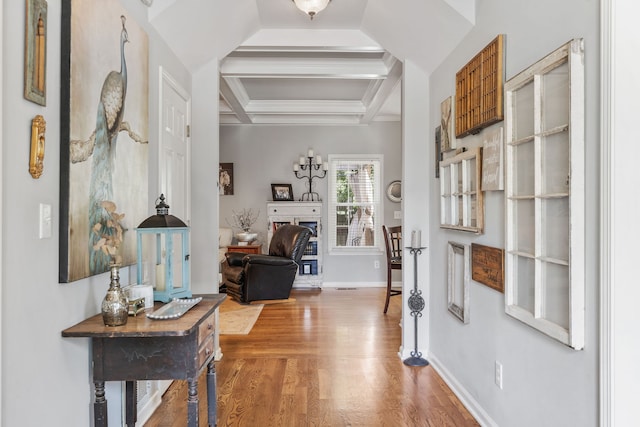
<point>104,137</point>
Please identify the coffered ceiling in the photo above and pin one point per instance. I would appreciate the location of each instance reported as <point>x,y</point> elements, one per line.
<point>309,85</point>
<point>276,66</point>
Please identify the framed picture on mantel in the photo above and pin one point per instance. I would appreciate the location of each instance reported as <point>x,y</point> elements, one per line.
<point>282,192</point>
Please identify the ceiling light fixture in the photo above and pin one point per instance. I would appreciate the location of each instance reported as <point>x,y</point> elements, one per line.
<point>311,7</point>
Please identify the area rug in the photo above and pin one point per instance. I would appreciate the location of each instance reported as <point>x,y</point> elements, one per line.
<point>238,319</point>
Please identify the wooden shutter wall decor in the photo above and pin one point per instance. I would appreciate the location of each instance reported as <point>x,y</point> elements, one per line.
<point>479,90</point>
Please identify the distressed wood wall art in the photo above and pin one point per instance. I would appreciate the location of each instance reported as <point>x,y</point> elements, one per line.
<point>36,158</point>
<point>492,161</point>
<point>104,137</point>
<point>488,266</point>
<point>35,52</point>
<point>448,142</point>
<point>479,84</point>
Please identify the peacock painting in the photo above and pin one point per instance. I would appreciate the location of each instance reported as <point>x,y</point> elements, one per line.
<point>108,144</point>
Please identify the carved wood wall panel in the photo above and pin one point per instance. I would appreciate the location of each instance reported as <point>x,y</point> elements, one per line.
<point>479,84</point>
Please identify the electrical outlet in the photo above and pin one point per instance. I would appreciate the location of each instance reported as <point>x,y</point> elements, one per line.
<point>397,214</point>
<point>376,264</point>
<point>498,374</point>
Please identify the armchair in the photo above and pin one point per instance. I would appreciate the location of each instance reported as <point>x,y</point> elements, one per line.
<point>253,277</point>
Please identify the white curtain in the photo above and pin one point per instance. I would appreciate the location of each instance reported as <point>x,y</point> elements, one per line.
<point>360,231</point>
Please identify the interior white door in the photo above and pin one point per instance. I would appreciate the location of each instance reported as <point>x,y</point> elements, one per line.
<point>174,147</point>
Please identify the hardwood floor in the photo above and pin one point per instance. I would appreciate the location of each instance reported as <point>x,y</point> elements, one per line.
<point>329,358</point>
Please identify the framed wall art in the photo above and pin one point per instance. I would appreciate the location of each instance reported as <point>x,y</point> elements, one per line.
<point>479,84</point>
<point>35,52</point>
<point>225,184</point>
<point>282,192</point>
<point>544,269</point>
<point>447,140</point>
<point>492,161</point>
<point>461,201</point>
<point>104,137</point>
<point>36,156</point>
<point>458,280</point>
<point>487,266</point>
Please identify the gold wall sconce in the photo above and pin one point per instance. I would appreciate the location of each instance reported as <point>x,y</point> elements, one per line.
<point>36,159</point>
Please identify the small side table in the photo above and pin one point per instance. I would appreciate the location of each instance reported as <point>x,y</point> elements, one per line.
<point>247,249</point>
<point>145,349</point>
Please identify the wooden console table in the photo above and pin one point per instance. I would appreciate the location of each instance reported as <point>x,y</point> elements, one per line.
<point>247,249</point>
<point>146,349</point>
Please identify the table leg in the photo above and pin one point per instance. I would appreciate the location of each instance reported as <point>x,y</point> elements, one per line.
<point>192,403</point>
<point>131,403</point>
<point>100,406</point>
<point>212,401</point>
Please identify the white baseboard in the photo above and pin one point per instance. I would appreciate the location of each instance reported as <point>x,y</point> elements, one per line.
<point>360,284</point>
<point>145,411</point>
<point>465,397</point>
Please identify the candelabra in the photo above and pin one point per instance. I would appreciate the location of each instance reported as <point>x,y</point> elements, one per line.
<point>416,302</point>
<point>307,164</point>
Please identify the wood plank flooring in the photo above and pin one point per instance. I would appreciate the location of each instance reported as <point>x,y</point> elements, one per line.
<point>329,358</point>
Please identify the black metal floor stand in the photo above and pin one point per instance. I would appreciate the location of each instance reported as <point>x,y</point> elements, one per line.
<point>416,305</point>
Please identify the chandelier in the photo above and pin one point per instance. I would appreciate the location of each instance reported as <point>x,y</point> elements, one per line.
<point>311,7</point>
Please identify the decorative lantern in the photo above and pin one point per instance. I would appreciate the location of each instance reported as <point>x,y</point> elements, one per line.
<point>165,239</point>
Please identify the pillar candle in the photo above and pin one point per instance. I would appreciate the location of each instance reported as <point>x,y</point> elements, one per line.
<point>310,153</point>
<point>318,159</point>
<point>160,280</point>
<point>416,239</point>
<point>302,160</point>
<point>295,167</point>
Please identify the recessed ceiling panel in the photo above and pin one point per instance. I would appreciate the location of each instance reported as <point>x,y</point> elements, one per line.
<point>305,89</point>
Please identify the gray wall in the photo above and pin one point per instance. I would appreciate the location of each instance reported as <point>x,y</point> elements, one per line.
<point>39,367</point>
<point>545,383</point>
<point>262,155</point>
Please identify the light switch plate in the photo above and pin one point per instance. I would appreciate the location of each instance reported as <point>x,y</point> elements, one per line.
<point>45,221</point>
<point>397,214</point>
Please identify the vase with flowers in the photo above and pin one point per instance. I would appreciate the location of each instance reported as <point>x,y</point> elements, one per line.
<point>244,220</point>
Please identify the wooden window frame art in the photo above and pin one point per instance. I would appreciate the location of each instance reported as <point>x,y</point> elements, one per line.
<point>458,287</point>
<point>461,201</point>
<point>479,90</point>
<point>545,196</point>
<point>35,52</point>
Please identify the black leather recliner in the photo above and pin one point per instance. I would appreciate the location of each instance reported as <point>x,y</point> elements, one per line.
<point>253,277</point>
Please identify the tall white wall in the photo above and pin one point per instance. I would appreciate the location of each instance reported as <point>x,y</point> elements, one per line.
<point>263,155</point>
<point>545,383</point>
<point>41,369</point>
<point>619,320</point>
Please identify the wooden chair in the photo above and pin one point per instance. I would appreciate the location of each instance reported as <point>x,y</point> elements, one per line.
<point>393,245</point>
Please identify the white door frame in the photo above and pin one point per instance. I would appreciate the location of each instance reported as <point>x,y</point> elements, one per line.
<point>1,222</point>
<point>165,77</point>
<point>619,293</point>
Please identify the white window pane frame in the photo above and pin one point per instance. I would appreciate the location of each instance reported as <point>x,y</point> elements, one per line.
<point>335,160</point>
<point>553,300</point>
<point>461,201</point>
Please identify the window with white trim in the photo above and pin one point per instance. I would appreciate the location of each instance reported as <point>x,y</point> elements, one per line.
<point>544,190</point>
<point>355,214</point>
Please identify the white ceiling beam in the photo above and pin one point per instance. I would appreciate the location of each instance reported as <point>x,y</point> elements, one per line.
<point>236,97</point>
<point>297,107</point>
<point>307,120</point>
<point>303,67</point>
<point>383,92</point>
